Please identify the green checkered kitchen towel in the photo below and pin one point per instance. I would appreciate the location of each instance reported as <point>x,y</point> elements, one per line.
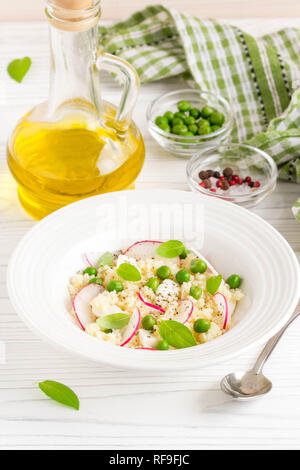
<point>260,77</point>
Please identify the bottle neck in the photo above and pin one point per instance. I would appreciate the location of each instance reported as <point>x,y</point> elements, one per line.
<point>72,78</point>
<point>74,82</point>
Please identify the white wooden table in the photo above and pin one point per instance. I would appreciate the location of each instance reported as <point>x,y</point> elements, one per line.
<point>121,409</point>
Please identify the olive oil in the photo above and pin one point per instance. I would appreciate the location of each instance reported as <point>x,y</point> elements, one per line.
<point>61,162</point>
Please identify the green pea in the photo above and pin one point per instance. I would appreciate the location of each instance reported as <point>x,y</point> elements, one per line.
<point>184,106</point>
<point>180,129</point>
<point>206,112</point>
<point>189,121</point>
<point>115,286</point>
<point>234,281</point>
<point>180,115</point>
<point>169,116</point>
<point>196,291</point>
<point>177,122</point>
<point>90,271</point>
<point>153,283</point>
<point>204,130</point>
<point>148,322</point>
<point>162,345</point>
<point>217,118</point>
<point>108,331</point>
<point>202,325</point>
<point>193,128</point>
<point>203,123</point>
<point>195,113</point>
<point>165,127</point>
<point>161,120</point>
<point>203,127</point>
<point>183,276</point>
<point>188,134</point>
<point>215,128</point>
<point>96,280</point>
<point>198,266</point>
<point>163,272</point>
<point>184,253</point>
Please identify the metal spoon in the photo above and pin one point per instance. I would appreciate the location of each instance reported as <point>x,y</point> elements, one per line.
<point>252,384</point>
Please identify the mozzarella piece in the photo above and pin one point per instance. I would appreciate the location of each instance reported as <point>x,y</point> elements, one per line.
<point>102,305</point>
<point>168,290</point>
<point>126,259</point>
<point>147,339</point>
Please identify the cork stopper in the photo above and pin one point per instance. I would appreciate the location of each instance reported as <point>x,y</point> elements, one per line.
<point>73,15</point>
<point>73,4</point>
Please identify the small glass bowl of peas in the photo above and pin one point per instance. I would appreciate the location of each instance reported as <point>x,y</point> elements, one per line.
<point>186,121</point>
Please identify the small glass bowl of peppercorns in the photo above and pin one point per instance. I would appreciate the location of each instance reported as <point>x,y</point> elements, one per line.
<point>236,173</point>
<point>185,121</point>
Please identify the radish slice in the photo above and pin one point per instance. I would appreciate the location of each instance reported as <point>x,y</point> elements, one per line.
<point>227,308</point>
<point>210,267</point>
<point>91,258</point>
<point>86,259</point>
<point>155,307</point>
<point>147,249</point>
<point>223,307</point>
<point>81,303</point>
<point>144,249</point>
<point>132,327</point>
<point>184,311</point>
<point>231,307</point>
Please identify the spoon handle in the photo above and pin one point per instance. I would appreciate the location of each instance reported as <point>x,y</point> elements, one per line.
<point>271,344</point>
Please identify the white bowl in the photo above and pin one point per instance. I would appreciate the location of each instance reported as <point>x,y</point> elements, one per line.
<point>235,241</point>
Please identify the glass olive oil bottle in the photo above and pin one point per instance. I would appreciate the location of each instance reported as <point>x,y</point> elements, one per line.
<point>76,144</point>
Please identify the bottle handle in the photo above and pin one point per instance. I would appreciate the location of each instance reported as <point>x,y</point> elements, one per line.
<point>131,81</point>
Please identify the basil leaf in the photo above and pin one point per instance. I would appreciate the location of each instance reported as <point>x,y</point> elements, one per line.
<point>176,334</point>
<point>170,249</point>
<point>105,260</point>
<point>60,393</point>
<point>18,68</point>
<point>213,284</point>
<point>128,272</point>
<point>113,321</point>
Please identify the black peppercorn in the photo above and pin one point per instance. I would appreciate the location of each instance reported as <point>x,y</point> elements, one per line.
<point>225,185</point>
<point>203,175</point>
<point>228,172</point>
<point>207,183</point>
